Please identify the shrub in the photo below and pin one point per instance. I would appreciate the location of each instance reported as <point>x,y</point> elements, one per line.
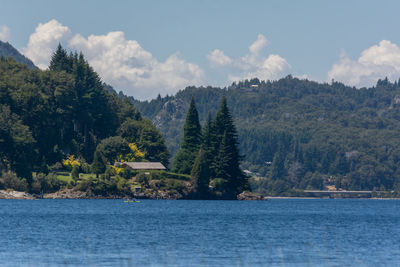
<point>75,173</point>
<point>86,168</point>
<point>49,183</point>
<point>142,179</point>
<point>71,162</point>
<point>9,180</point>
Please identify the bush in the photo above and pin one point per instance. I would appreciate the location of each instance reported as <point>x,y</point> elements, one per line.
<point>127,173</point>
<point>49,183</point>
<point>9,180</point>
<point>86,168</point>
<point>142,179</point>
<point>75,173</point>
<point>176,185</point>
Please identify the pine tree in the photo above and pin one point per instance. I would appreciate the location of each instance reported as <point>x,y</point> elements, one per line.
<point>191,141</point>
<point>98,165</point>
<point>226,163</point>
<point>201,174</point>
<point>60,60</point>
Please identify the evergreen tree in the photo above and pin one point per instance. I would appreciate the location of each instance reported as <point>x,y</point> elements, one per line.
<point>201,174</point>
<point>98,165</point>
<point>226,163</point>
<point>60,61</point>
<point>191,141</point>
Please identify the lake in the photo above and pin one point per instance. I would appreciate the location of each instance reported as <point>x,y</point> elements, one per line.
<point>278,232</point>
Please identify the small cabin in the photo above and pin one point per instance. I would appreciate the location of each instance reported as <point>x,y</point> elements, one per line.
<point>148,166</point>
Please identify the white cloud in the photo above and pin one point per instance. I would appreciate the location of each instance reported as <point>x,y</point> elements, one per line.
<point>44,41</point>
<point>4,33</point>
<point>217,58</point>
<point>259,44</point>
<point>253,64</point>
<point>122,63</point>
<point>376,62</point>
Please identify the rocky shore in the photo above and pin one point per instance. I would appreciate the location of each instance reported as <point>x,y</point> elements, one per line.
<point>76,194</point>
<point>11,194</point>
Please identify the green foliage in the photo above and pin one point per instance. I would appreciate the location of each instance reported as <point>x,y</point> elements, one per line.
<point>331,129</point>
<point>47,183</point>
<point>8,51</point>
<point>191,141</point>
<point>201,174</point>
<point>64,110</point>
<point>10,180</point>
<point>98,165</point>
<point>112,147</point>
<point>75,173</point>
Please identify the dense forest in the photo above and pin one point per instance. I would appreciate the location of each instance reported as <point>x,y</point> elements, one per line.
<point>300,134</point>
<point>290,134</point>
<point>65,114</point>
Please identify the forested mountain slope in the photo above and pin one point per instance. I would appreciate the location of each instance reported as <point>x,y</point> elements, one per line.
<point>7,50</point>
<point>300,133</point>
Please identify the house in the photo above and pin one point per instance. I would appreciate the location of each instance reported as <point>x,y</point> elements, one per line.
<point>141,165</point>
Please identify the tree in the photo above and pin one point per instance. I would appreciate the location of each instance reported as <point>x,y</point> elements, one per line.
<point>191,141</point>
<point>111,148</point>
<point>60,60</point>
<point>152,143</point>
<point>226,163</point>
<point>98,165</point>
<point>201,174</point>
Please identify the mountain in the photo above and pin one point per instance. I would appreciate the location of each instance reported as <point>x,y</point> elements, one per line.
<point>300,134</point>
<point>7,50</point>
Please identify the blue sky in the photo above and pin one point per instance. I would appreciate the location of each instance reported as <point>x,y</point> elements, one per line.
<point>167,45</point>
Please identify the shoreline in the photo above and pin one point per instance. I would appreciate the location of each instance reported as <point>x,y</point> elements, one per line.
<point>73,194</point>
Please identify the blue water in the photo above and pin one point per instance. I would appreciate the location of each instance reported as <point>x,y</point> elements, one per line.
<point>200,233</point>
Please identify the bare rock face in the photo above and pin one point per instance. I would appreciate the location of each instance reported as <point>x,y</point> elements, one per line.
<point>246,195</point>
<point>11,194</point>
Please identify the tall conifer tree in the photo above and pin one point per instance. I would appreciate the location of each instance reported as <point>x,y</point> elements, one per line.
<point>191,141</point>
<point>226,163</point>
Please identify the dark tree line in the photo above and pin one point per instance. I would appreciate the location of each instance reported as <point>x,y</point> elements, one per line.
<point>211,153</point>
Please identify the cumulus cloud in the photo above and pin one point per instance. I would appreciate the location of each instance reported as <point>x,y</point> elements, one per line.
<point>253,64</point>
<point>217,58</point>
<point>122,63</point>
<point>4,33</point>
<point>376,62</point>
<point>44,40</point>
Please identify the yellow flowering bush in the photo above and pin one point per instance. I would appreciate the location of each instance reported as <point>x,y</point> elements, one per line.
<point>134,155</point>
<point>71,162</point>
<point>117,170</point>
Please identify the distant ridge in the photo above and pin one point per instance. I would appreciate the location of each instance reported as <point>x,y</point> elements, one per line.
<point>7,50</point>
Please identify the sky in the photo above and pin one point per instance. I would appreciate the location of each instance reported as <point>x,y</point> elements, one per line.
<point>146,48</point>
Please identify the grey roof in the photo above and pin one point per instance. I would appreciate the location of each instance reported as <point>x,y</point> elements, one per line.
<point>143,165</point>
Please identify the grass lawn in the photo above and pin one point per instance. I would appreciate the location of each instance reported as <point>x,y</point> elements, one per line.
<point>66,176</point>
